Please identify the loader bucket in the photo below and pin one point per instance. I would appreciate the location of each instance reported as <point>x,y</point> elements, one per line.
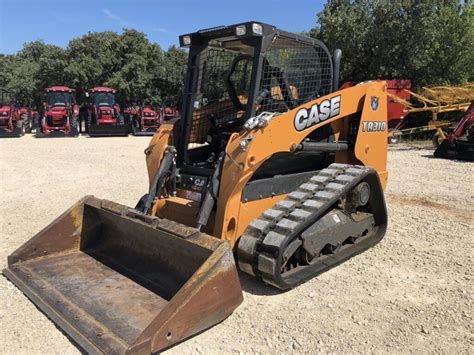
<point>118,281</point>
<point>105,130</point>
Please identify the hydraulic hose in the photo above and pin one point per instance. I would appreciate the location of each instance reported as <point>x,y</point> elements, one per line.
<point>211,194</point>
<point>158,179</point>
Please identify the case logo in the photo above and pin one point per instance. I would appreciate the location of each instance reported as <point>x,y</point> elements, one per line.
<point>374,103</point>
<point>306,118</point>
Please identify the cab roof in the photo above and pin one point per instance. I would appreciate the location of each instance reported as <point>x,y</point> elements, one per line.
<point>251,29</point>
<point>102,89</point>
<point>59,88</point>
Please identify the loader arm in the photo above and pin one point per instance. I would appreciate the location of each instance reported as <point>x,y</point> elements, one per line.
<point>280,135</point>
<point>362,108</point>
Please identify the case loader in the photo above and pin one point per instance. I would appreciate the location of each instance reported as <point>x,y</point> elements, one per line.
<point>270,167</point>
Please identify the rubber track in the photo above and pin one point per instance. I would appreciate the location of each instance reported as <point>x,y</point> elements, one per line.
<point>263,241</point>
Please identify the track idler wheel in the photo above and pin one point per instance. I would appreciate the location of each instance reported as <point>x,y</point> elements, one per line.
<point>337,214</point>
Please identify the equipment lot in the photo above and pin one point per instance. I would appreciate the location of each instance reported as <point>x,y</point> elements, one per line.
<point>410,293</point>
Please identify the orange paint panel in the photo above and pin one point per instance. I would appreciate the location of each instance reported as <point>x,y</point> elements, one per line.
<point>339,109</point>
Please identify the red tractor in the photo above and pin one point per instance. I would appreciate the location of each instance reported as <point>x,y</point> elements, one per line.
<point>130,112</point>
<point>60,114</point>
<point>103,116</point>
<point>13,123</point>
<point>28,115</point>
<point>169,114</point>
<point>459,144</point>
<point>145,121</point>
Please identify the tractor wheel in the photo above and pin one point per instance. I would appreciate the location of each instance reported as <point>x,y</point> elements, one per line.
<point>135,126</point>
<point>127,119</point>
<point>21,125</point>
<point>437,139</point>
<point>74,127</point>
<point>79,125</point>
<point>395,138</point>
<point>38,131</point>
<point>88,123</point>
<point>29,119</point>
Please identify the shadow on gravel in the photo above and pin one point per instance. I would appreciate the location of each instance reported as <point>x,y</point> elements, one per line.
<point>431,156</point>
<point>411,147</point>
<point>256,286</point>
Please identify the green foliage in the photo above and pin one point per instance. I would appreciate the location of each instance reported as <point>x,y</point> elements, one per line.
<point>139,70</point>
<point>175,70</point>
<point>429,42</point>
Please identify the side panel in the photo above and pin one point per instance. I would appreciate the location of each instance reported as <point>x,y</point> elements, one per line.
<point>156,149</point>
<point>371,144</point>
<point>281,135</point>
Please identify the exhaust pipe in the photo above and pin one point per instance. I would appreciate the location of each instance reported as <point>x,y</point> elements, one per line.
<point>337,69</point>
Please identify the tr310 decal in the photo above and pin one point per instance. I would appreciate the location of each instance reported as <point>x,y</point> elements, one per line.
<point>374,126</point>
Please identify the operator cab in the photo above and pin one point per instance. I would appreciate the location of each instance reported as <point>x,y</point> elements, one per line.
<point>103,99</point>
<point>59,98</point>
<point>238,72</point>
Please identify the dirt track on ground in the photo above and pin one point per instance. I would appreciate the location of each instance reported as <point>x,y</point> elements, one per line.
<point>411,293</point>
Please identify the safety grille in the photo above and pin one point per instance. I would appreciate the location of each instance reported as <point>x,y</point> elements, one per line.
<point>212,101</point>
<point>293,73</point>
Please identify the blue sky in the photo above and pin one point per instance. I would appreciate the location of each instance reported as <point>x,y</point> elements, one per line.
<point>58,21</point>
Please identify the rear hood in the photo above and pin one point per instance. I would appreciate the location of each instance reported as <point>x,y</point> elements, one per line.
<point>58,109</point>
<point>148,113</point>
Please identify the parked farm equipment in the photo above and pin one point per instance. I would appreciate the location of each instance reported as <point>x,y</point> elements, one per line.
<point>169,114</point>
<point>130,112</point>
<point>436,100</point>
<point>459,144</point>
<point>13,121</point>
<point>104,117</point>
<point>145,121</point>
<point>29,115</point>
<point>60,114</point>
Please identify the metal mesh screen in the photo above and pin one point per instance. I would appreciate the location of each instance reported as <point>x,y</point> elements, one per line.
<point>293,73</point>
<point>212,101</point>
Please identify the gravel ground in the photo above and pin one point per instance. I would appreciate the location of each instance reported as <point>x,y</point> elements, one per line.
<point>410,293</point>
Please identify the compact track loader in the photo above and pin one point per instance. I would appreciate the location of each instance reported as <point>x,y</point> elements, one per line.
<point>269,166</point>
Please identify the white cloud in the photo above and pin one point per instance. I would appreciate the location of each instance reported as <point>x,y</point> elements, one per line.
<point>159,29</point>
<point>61,18</point>
<point>111,15</point>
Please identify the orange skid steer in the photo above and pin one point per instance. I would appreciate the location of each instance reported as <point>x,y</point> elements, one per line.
<point>270,167</point>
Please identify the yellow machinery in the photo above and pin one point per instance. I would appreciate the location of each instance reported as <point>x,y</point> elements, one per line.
<point>437,99</point>
<point>269,166</point>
